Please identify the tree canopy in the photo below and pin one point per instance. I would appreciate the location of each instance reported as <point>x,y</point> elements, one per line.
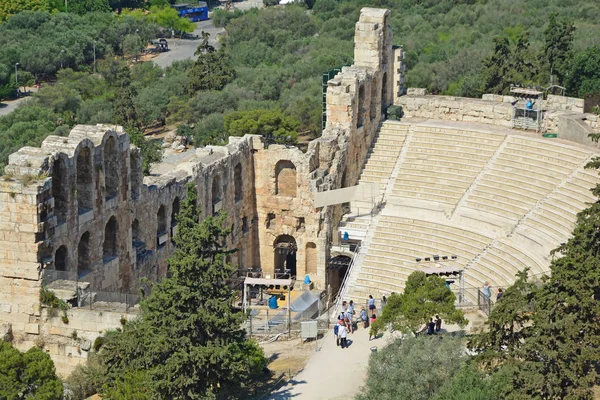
<point>188,342</point>
<point>27,375</point>
<point>423,297</point>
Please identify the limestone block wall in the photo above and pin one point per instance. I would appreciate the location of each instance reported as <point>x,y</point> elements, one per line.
<point>457,109</point>
<point>563,103</point>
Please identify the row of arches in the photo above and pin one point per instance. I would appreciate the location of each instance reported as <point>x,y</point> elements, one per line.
<point>85,178</point>
<point>375,96</point>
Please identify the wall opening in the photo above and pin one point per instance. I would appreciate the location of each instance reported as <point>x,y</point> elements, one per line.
<point>59,191</point>
<point>109,247</point>
<point>384,93</point>
<point>136,238</point>
<point>174,211</point>
<point>83,255</point>
<point>237,176</point>
<point>61,259</point>
<point>271,222</point>
<point>217,195</point>
<point>310,258</point>
<point>285,178</point>
<point>361,106</point>
<point>85,189</point>
<point>111,168</point>
<point>135,175</point>
<point>161,226</point>
<point>374,98</point>
<point>285,250</point>
<point>337,267</point>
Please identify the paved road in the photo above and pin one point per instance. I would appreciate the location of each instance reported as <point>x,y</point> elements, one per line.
<point>180,49</point>
<point>10,106</point>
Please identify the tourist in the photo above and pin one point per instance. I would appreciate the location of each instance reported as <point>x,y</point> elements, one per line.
<point>371,303</point>
<point>348,318</point>
<point>438,323</point>
<point>350,315</point>
<point>487,291</point>
<point>363,318</point>
<point>431,327</point>
<point>336,329</point>
<point>383,301</point>
<point>343,335</point>
<point>372,331</point>
<point>500,294</point>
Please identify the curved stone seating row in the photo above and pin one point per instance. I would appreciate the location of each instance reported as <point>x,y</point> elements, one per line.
<point>448,160</point>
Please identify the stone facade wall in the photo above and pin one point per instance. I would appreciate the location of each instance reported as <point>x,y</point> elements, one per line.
<point>563,103</point>
<point>78,209</point>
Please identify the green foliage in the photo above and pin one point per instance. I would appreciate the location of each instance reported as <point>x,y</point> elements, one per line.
<point>85,6</point>
<point>27,375</point>
<point>584,75</point>
<point>11,7</point>
<point>212,70</point>
<point>423,297</point>
<point>558,45</point>
<point>470,383</point>
<point>86,380</point>
<point>150,150</point>
<point>168,17</point>
<point>210,130</point>
<point>272,123</point>
<point>187,324</point>
<point>132,45</point>
<point>413,368</point>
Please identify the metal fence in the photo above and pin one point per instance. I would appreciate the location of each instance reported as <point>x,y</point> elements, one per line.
<point>75,290</point>
<point>272,322</point>
<point>484,303</point>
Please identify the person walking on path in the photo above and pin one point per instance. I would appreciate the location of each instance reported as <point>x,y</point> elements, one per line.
<point>383,302</point>
<point>363,318</point>
<point>487,291</point>
<point>336,329</point>
<point>438,323</point>
<point>343,335</point>
<point>500,294</point>
<point>350,316</point>
<point>372,331</point>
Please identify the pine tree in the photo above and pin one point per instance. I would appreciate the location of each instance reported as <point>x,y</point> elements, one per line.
<point>496,68</point>
<point>558,45</point>
<point>188,337</point>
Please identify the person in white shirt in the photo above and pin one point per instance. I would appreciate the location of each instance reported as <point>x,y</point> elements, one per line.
<point>343,335</point>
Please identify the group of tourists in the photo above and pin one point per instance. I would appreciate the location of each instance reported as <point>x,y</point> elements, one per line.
<point>487,292</point>
<point>433,327</point>
<point>347,324</point>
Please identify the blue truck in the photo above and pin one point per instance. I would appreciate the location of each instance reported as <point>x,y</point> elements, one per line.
<point>194,13</point>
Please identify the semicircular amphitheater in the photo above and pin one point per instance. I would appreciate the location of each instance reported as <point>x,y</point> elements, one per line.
<point>489,200</point>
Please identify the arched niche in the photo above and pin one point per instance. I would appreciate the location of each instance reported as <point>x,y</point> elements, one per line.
<point>135,174</point>
<point>161,221</point>
<point>175,211</point>
<point>61,259</point>
<point>217,194</point>
<point>111,168</point>
<point>384,92</point>
<point>361,106</point>
<point>83,254</point>
<point>285,249</point>
<point>85,189</point>
<point>109,247</point>
<point>285,178</point>
<point>374,98</point>
<point>237,179</point>
<point>60,190</point>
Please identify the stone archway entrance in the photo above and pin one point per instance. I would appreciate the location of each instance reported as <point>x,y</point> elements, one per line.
<point>337,267</point>
<point>285,250</point>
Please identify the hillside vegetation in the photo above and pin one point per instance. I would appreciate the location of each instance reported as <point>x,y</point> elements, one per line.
<point>271,62</point>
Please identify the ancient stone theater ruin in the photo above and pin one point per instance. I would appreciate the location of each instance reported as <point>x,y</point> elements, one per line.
<point>451,185</point>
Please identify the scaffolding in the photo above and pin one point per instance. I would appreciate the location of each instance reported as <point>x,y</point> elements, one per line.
<point>527,108</point>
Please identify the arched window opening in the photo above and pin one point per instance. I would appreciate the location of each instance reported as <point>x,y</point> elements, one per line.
<point>161,228</point>
<point>285,179</point>
<point>111,168</point>
<point>60,259</point>
<point>174,211</point>
<point>374,99</point>
<point>237,176</point>
<point>135,175</point>
<point>85,190</point>
<point>59,191</point>
<point>110,240</point>
<point>136,237</point>
<point>83,255</point>
<point>361,106</point>
<point>285,250</point>
<point>217,194</point>
<point>337,267</point>
<point>310,258</point>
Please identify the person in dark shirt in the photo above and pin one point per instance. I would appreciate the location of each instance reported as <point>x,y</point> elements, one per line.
<point>438,323</point>
<point>431,327</point>
<point>500,294</point>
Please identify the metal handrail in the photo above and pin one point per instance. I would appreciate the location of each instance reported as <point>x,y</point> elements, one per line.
<point>342,290</point>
